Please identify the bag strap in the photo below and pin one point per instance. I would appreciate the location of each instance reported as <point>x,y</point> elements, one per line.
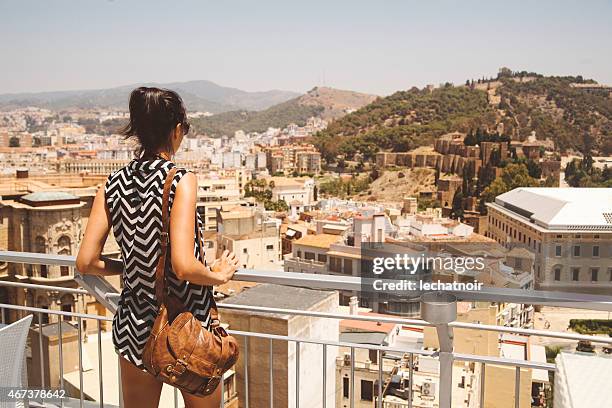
<point>160,270</point>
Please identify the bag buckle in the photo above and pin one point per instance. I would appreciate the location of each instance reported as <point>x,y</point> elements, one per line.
<point>178,368</point>
<point>212,384</point>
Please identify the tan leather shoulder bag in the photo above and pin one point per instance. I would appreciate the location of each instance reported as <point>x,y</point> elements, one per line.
<point>179,351</point>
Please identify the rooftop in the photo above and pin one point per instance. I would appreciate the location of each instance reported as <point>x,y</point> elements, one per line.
<point>41,196</point>
<point>561,208</point>
<point>278,296</point>
<point>318,240</point>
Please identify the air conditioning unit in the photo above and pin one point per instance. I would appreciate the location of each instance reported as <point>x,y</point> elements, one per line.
<point>428,389</point>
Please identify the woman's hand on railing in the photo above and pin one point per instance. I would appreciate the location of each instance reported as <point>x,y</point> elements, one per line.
<point>225,266</point>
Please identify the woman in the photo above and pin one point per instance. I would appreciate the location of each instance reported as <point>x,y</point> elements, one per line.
<point>130,203</point>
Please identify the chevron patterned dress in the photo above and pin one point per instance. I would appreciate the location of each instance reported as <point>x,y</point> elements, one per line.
<point>134,199</point>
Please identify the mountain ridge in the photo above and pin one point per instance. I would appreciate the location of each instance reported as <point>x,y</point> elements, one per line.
<point>575,117</point>
<point>199,95</point>
<point>325,102</point>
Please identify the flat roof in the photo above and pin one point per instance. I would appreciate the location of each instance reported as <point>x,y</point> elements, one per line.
<point>278,296</point>
<point>373,338</point>
<point>368,326</point>
<point>560,208</point>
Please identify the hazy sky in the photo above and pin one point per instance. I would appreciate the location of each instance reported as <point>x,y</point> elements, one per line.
<point>376,46</point>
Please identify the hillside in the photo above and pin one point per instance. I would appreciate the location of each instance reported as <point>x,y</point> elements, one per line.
<point>550,106</point>
<point>393,185</point>
<point>198,96</point>
<point>405,120</point>
<point>327,103</point>
<point>559,108</point>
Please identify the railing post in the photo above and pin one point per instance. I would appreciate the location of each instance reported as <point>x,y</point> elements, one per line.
<point>352,384</point>
<point>440,309</point>
<point>40,350</point>
<point>410,379</point>
<point>80,347</point>
<point>271,362</point>
<point>121,405</point>
<point>101,378</point>
<point>482,383</point>
<point>246,371</point>
<point>324,375</point>
<point>446,379</point>
<point>517,388</point>
<point>379,402</point>
<point>61,356</point>
<point>297,374</point>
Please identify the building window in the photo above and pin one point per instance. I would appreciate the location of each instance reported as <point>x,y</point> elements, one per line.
<point>270,247</point>
<point>345,387</point>
<point>557,250</point>
<point>367,390</point>
<point>594,273</point>
<point>244,250</point>
<point>596,251</point>
<point>557,273</point>
<point>299,253</point>
<point>309,255</point>
<point>575,274</point>
<point>64,245</point>
<point>66,307</point>
<point>335,264</point>
<point>322,258</point>
<point>348,267</point>
<point>576,250</point>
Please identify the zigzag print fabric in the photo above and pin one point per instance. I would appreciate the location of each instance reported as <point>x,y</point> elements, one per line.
<point>134,199</point>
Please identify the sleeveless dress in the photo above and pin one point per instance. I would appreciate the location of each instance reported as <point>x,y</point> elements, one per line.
<point>134,198</point>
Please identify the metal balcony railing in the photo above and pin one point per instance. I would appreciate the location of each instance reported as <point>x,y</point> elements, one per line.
<point>333,282</point>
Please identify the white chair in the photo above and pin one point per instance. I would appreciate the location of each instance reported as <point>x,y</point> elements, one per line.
<point>13,371</point>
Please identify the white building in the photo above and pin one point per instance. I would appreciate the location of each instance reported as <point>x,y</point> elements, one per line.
<point>569,230</point>
<point>298,193</point>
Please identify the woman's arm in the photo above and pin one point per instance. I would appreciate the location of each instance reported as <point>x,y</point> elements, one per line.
<point>89,259</point>
<point>182,227</point>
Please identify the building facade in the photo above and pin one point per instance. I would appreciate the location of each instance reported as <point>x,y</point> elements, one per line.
<point>569,231</point>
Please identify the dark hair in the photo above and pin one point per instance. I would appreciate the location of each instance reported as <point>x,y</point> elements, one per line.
<point>154,113</point>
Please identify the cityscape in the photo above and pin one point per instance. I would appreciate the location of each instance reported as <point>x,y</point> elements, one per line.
<point>482,206</point>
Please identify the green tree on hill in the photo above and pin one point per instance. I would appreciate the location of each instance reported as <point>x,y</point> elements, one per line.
<point>513,176</point>
<point>457,206</point>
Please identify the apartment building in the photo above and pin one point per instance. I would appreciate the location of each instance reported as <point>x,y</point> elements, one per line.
<point>251,235</point>
<point>284,354</point>
<point>289,158</point>
<point>216,193</point>
<point>298,193</point>
<point>569,231</point>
